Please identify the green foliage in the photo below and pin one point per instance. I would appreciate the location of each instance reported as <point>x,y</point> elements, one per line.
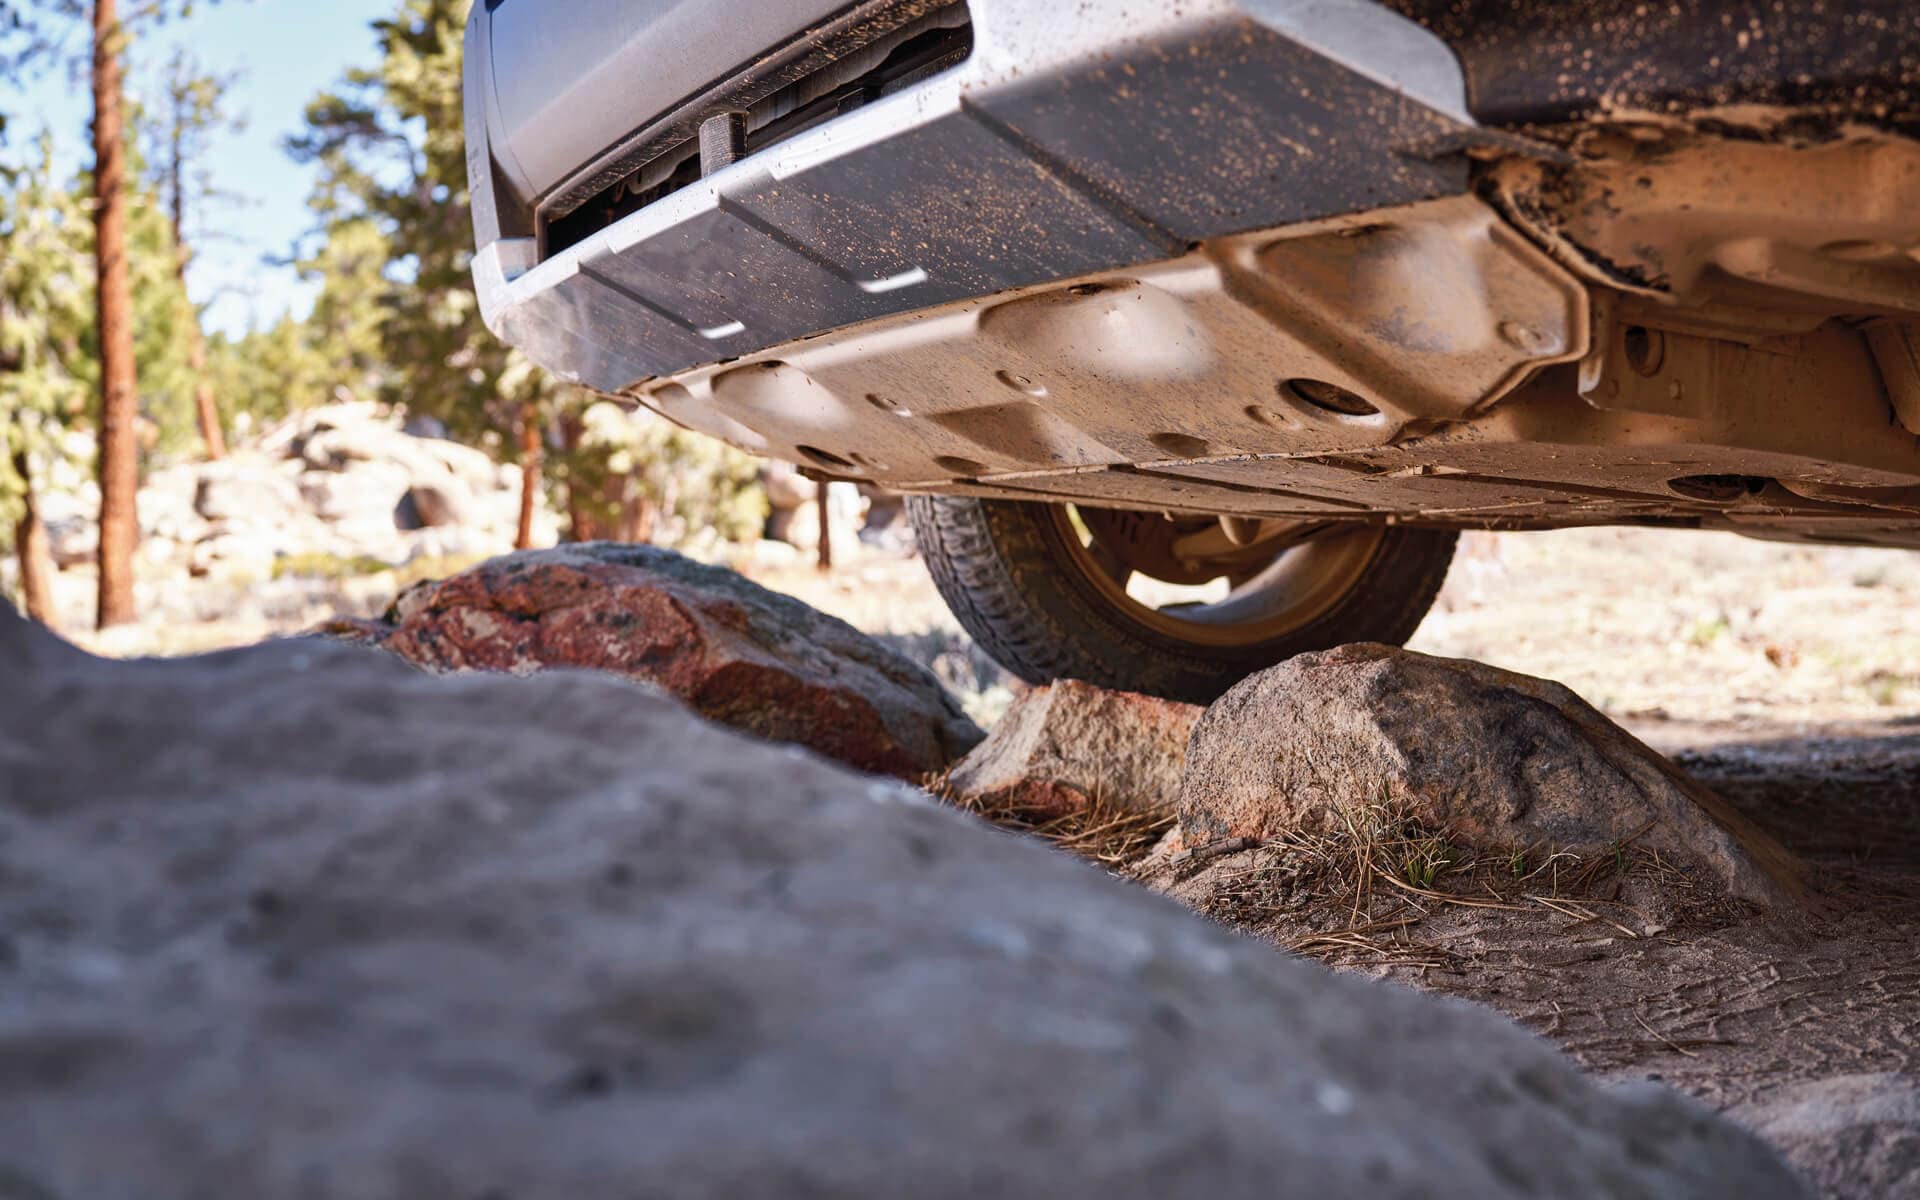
<point>46,314</point>
<point>696,483</point>
<point>395,317</point>
<point>268,373</point>
<point>320,565</point>
<point>162,316</point>
<point>192,113</point>
<point>393,196</point>
<point>48,338</point>
<point>37,34</point>
<point>337,351</point>
<point>398,307</point>
<point>1423,859</point>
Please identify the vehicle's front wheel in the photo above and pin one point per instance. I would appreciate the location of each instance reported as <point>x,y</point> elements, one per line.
<point>1182,607</point>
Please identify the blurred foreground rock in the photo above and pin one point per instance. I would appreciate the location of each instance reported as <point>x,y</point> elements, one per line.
<point>734,651</point>
<point>1065,746</point>
<point>1501,760</point>
<point>298,921</point>
<point>1857,1137</point>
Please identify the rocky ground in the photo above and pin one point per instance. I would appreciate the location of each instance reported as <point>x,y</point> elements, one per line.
<point>298,920</point>
<point>1686,638</point>
<point>333,510</point>
<point>1784,678</point>
<point>1451,825</point>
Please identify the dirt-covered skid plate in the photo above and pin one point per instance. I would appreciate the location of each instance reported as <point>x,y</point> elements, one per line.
<point>1419,315</point>
<point>1074,139</point>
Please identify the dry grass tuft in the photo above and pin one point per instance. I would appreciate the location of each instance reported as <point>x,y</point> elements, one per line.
<point>1104,831</point>
<point>1361,890</point>
<point>1353,896</point>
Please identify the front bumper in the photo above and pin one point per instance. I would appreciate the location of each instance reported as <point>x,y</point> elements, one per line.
<point>1075,139</point>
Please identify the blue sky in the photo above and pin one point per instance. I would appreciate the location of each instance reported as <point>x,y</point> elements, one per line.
<point>285,51</point>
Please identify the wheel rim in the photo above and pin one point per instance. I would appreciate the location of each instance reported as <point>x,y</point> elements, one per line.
<point>1289,575</point>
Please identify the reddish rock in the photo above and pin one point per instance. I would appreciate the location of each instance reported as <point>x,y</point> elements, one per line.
<point>732,650</point>
<point>1498,759</point>
<point>1059,746</point>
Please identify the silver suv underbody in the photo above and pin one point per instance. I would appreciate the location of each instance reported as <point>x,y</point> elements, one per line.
<point>1235,276</point>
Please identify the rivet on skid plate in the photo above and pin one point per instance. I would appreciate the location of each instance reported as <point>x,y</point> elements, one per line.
<point>1020,383</point>
<point>1523,337</point>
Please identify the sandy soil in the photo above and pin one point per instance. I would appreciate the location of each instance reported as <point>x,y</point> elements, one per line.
<point>1684,637</point>
<point>1644,972</point>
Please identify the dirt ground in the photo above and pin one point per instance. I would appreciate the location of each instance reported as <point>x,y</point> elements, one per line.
<point>1786,677</point>
<point>1637,973</point>
<point>1683,637</point>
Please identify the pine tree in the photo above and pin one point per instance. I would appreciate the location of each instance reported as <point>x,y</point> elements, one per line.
<point>191,113</point>
<point>34,30</point>
<point>45,319</point>
<point>390,144</point>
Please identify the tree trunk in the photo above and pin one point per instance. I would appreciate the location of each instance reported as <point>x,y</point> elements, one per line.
<point>643,517</point>
<point>36,556</point>
<point>210,431</point>
<point>119,397</point>
<point>579,523</point>
<point>826,526</point>
<point>211,434</point>
<point>529,476</point>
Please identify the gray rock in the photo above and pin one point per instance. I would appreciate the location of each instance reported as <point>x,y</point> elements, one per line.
<point>335,447</point>
<point>245,491</point>
<point>300,921</point>
<point>466,465</point>
<point>73,540</point>
<point>361,490</point>
<point>1856,1137</point>
<point>247,552</point>
<point>1501,760</point>
<point>786,488</point>
<point>800,526</point>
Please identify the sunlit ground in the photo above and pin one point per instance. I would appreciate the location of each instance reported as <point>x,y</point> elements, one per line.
<point>1651,626</point>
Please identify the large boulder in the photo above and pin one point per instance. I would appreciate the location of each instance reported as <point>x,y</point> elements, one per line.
<point>246,489</point>
<point>346,438</point>
<point>1062,747</point>
<point>1498,759</point>
<point>470,468</point>
<point>360,490</point>
<point>296,921</point>
<point>247,552</point>
<point>733,650</point>
<point>337,446</point>
<point>799,525</point>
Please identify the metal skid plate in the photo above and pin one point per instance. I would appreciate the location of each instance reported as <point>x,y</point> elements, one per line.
<point>1419,315</point>
<point>1178,386</point>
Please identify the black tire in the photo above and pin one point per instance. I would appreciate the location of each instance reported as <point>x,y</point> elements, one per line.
<point>1001,567</point>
